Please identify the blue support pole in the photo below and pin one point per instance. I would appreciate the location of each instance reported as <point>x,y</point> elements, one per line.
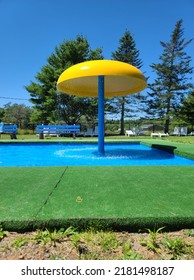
<point>101,115</point>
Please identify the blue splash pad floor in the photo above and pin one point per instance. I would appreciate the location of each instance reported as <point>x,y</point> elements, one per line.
<point>81,154</point>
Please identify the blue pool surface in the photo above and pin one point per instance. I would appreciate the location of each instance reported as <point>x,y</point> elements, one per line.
<point>63,154</point>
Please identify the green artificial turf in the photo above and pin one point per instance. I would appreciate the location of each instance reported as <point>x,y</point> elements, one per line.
<point>118,197</point>
<point>122,192</point>
<point>126,193</point>
<point>24,191</point>
<point>181,149</point>
<point>131,197</point>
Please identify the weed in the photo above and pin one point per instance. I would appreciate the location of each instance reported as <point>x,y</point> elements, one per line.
<point>89,236</point>
<point>152,243</point>
<point>3,233</point>
<point>57,257</point>
<point>90,256</point>
<point>40,237</point>
<point>108,241</point>
<point>129,254</point>
<point>69,231</point>
<point>19,242</point>
<point>190,232</point>
<point>143,242</point>
<point>80,245</point>
<point>176,247</point>
<point>75,238</point>
<point>44,236</point>
<point>153,235</point>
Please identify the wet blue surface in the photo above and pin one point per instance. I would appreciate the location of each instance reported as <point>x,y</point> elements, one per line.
<point>59,154</point>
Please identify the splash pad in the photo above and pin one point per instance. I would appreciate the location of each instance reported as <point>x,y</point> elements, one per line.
<point>86,154</point>
<point>101,78</point>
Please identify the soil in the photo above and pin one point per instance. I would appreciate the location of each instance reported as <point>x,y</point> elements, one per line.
<point>91,245</point>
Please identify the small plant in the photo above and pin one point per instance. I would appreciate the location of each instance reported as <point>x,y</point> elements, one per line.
<point>190,232</point>
<point>44,236</point>
<point>152,243</point>
<point>75,239</point>
<point>176,247</point>
<point>19,242</point>
<point>153,235</point>
<point>41,237</point>
<point>91,256</point>
<point>129,254</point>
<point>80,245</point>
<point>3,233</point>
<point>108,241</point>
<point>69,231</point>
<point>57,257</point>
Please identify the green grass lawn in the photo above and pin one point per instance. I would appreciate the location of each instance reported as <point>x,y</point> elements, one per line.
<point>118,197</point>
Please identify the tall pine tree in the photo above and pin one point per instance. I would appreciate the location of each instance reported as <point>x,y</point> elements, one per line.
<point>127,52</point>
<point>172,83</point>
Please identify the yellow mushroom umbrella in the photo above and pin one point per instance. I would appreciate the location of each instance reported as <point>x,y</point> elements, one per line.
<point>101,78</point>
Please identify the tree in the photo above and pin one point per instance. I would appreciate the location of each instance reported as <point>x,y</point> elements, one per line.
<point>186,111</point>
<point>172,82</point>
<point>17,113</point>
<point>2,112</point>
<point>127,52</point>
<point>51,106</point>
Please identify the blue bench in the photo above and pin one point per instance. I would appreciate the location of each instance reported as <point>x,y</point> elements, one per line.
<point>9,129</point>
<point>58,130</point>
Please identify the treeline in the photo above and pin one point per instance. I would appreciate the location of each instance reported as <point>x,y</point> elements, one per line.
<point>169,98</point>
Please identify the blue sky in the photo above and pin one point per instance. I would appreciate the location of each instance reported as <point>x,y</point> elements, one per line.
<point>30,30</point>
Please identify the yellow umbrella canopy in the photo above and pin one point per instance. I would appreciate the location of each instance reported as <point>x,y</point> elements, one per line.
<point>101,78</point>
<point>120,79</point>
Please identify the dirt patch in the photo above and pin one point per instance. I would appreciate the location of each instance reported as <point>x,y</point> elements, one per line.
<point>96,245</point>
